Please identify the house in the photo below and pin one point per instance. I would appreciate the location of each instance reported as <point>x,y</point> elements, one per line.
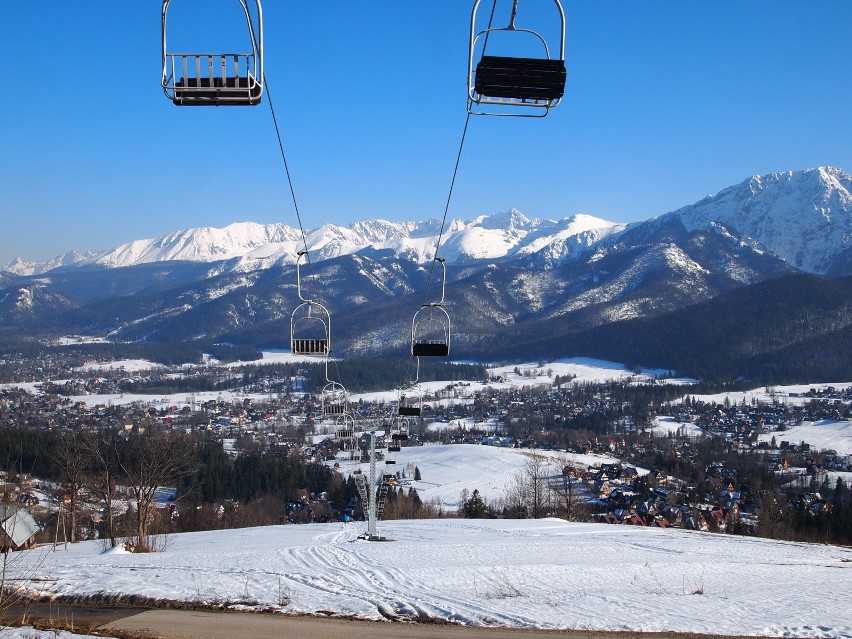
<point>17,528</point>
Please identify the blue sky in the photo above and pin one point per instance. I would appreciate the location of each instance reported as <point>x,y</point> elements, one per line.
<point>665,103</point>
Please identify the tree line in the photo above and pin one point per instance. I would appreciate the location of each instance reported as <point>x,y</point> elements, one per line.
<point>134,466</point>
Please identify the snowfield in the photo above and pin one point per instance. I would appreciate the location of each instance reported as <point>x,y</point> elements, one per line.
<point>448,470</point>
<point>513,573</point>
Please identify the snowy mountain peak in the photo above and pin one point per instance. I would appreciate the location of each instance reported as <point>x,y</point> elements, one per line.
<point>512,219</point>
<point>204,244</point>
<point>19,266</point>
<point>803,217</point>
<point>253,246</point>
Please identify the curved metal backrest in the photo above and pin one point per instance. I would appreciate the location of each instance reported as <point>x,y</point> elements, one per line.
<point>212,83</point>
<point>432,314</point>
<point>537,95</point>
<point>310,314</point>
<point>345,430</point>
<point>410,402</point>
<point>310,329</point>
<point>334,399</point>
<point>434,342</point>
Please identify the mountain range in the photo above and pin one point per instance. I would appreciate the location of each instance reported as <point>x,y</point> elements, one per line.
<point>508,275</point>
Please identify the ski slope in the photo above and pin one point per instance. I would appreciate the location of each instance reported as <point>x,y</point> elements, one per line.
<point>512,573</point>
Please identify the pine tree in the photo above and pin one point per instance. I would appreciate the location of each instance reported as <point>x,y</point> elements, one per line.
<point>474,507</point>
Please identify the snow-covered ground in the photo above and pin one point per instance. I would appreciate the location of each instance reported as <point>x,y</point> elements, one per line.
<point>793,395</point>
<point>446,471</point>
<point>526,574</point>
<point>127,365</point>
<point>581,369</point>
<point>665,425</point>
<point>826,434</point>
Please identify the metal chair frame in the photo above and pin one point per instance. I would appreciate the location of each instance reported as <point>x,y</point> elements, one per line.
<point>216,79</point>
<point>478,104</point>
<point>432,314</point>
<point>309,312</point>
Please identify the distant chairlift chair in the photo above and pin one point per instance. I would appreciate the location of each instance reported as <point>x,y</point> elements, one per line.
<point>310,323</point>
<point>430,327</point>
<point>410,402</point>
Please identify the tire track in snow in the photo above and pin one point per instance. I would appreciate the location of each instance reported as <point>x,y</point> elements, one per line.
<point>394,594</point>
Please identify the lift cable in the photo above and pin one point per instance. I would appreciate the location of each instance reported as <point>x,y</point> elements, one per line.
<point>289,178</point>
<point>293,197</point>
<point>450,194</point>
<point>447,207</point>
<point>458,161</point>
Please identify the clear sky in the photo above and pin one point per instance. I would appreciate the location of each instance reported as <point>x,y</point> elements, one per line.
<point>665,103</point>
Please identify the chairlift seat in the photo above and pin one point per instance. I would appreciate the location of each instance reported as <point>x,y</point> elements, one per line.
<point>333,409</point>
<point>394,448</point>
<point>520,78</point>
<point>430,349</point>
<point>217,91</point>
<point>399,437</point>
<point>409,411</point>
<point>345,434</point>
<point>309,346</point>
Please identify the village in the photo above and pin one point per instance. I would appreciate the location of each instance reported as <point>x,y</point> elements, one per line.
<point>650,458</point>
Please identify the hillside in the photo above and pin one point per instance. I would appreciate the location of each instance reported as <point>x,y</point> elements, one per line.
<point>779,331</point>
<point>523,574</point>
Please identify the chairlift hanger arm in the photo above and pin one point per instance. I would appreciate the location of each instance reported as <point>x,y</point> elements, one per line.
<point>299,276</point>
<point>511,26</point>
<point>443,264</point>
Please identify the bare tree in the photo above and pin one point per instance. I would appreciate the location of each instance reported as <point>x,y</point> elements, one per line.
<point>148,462</point>
<point>104,470</point>
<point>538,481</point>
<point>528,492</point>
<point>71,456</point>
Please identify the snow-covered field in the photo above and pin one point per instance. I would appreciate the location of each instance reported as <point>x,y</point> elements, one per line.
<point>825,434</point>
<point>446,471</point>
<point>525,574</point>
<point>581,368</point>
<point>793,395</point>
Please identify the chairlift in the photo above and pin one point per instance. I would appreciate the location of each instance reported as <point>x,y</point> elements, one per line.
<point>344,430</point>
<point>344,427</point>
<point>410,402</point>
<point>396,433</point>
<point>333,399</point>
<point>310,323</point>
<point>216,79</point>
<point>515,86</point>
<point>430,327</point>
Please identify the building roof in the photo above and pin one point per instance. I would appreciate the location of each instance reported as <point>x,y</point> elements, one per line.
<point>17,524</point>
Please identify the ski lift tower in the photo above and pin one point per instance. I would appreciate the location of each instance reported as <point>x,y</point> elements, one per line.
<point>372,497</point>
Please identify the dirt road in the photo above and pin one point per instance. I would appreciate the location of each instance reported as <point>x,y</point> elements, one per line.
<point>181,624</point>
